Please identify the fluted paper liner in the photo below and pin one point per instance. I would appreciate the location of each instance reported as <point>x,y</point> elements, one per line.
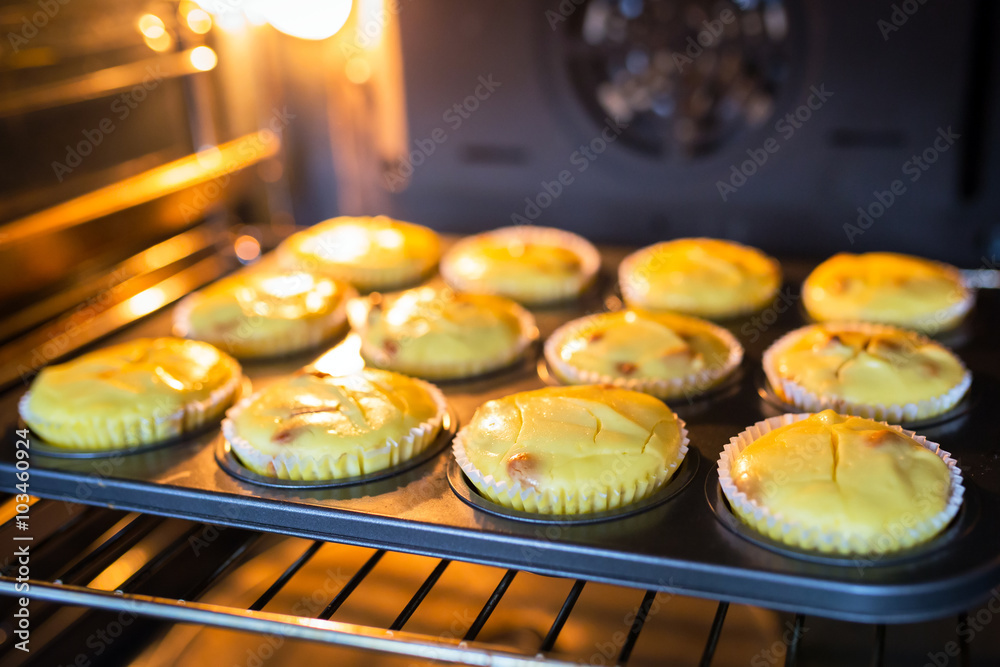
<point>444,368</point>
<point>602,496</point>
<point>306,335</point>
<point>664,388</point>
<point>800,397</point>
<point>341,465</point>
<point>573,286</point>
<point>776,527</point>
<point>126,431</point>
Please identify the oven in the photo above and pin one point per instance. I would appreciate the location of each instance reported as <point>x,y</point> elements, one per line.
<point>151,147</point>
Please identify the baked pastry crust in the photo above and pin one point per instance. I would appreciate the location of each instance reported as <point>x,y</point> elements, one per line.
<point>699,276</point>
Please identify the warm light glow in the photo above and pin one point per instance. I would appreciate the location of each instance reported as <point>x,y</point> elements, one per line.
<point>357,70</point>
<point>287,286</point>
<point>203,58</point>
<point>199,21</point>
<point>159,44</point>
<point>151,26</point>
<point>343,359</point>
<point>307,19</point>
<point>247,248</point>
<point>147,301</point>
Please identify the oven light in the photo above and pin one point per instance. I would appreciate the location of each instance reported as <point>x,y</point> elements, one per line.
<point>199,21</point>
<point>247,248</point>
<point>151,26</point>
<point>203,58</point>
<point>307,19</point>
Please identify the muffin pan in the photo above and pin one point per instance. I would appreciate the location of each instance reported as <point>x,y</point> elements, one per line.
<point>681,543</point>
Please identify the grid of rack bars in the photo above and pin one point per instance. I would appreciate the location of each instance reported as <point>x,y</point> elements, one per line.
<point>109,534</point>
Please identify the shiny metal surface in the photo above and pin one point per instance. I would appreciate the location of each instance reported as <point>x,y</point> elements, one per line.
<point>677,546</point>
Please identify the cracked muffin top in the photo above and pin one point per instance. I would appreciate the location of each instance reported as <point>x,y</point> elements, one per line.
<point>315,414</point>
<point>840,473</point>
<point>887,287</point>
<point>863,364</point>
<point>574,440</point>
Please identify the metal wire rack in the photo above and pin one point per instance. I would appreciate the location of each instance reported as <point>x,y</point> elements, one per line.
<point>74,544</point>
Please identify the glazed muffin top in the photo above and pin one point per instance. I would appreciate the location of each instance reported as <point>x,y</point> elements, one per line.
<point>259,303</point>
<point>699,276</point>
<point>846,474</point>
<point>427,330</point>
<point>368,252</point>
<point>146,377</point>
<point>887,287</point>
<point>527,264</point>
<point>864,365</point>
<point>569,440</point>
<point>316,414</point>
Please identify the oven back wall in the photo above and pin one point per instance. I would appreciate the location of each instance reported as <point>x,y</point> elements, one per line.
<point>880,96</point>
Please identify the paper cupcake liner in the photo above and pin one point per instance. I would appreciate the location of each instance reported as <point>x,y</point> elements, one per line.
<point>450,369</point>
<point>602,496</point>
<point>776,527</point>
<point>305,334</point>
<point>572,287</point>
<point>294,466</point>
<point>800,397</point>
<point>632,298</point>
<point>664,388</point>
<point>126,431</point>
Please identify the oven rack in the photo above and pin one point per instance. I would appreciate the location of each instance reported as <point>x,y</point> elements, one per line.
<point>157,590</point>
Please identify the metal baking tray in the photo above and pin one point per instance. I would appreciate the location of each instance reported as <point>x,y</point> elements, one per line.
<point>685,541</point>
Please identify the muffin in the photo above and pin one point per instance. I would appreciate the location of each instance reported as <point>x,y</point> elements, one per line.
<point>839,484</point>
<point>869,370</point>
<point>370,253</point>
<point>571,450</point>
<point>316,426</point>
<point>136,393</point>
<point>703,277</point>
<point>532,265</point>
<point>437,333</point>
<point>662,354</point>
<point>888,288</point>
<point>260,313</point>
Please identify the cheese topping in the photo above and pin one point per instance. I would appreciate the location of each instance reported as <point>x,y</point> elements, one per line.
<point>573,439</point>
<point>699,276</point>
<point>886,287</point>
<point>841,473</point>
